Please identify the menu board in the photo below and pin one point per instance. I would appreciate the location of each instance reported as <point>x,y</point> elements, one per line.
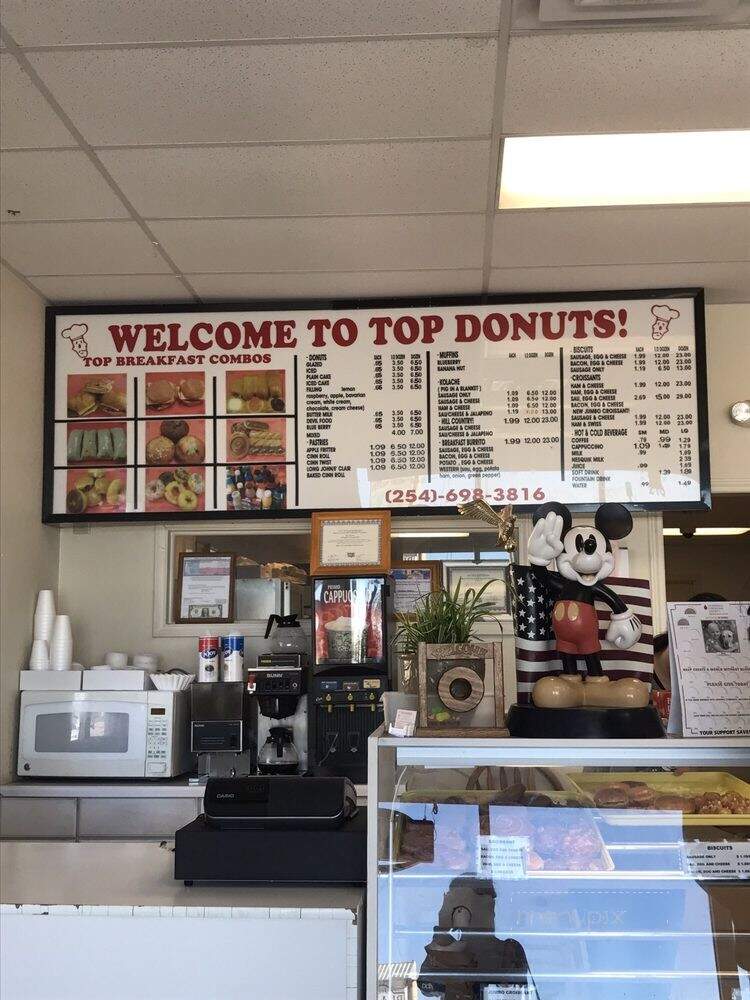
<point>197,412</point>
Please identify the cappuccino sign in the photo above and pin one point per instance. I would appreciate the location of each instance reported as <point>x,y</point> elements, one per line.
<point>189,412</point>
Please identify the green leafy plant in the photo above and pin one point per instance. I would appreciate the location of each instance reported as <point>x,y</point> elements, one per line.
<point>443,616</point>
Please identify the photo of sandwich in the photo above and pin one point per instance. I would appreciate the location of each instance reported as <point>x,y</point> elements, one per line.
<point>182,392</point>
<point>255,392</point>
<point>97,396</point>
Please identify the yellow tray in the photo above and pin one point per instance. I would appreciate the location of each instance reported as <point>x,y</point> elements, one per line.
<point>665,783</point>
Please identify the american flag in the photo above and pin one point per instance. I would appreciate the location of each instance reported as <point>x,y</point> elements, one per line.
<point>532,603</point>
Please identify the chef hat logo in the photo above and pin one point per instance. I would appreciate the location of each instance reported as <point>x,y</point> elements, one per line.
<point>76,334</point>
<point>663,316</point>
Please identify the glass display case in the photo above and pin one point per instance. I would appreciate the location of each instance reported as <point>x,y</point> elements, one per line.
<point>558,870</point>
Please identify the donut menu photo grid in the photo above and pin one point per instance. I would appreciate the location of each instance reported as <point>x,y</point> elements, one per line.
<point>174,443</point>
<point>220,412</point>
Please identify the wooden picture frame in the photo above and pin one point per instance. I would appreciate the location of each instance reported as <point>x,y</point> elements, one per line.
<point>213,589</point>
<point>432,566</point>
<point>350,543</point>
<point>438,683</point>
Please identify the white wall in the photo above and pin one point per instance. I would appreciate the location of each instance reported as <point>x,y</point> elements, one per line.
<point>28,550</point>
<point>728,363</point>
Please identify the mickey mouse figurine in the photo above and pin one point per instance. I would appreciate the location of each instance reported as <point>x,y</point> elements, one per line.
<point>584,560</point>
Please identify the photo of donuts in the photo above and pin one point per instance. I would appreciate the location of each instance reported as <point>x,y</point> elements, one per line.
<point>175,441</point>
<point>255,487</point>
<point>170,490</point>
<point>172,393</point>
<point>95,491</point>
<point>256,440</point>
<point>97,395</point>
<point>255,391</point>
<point>102,443</point>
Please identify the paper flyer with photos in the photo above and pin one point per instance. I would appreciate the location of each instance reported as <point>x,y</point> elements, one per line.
<point>709,647</point>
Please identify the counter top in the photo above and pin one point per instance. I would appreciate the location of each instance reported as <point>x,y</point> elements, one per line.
<point>131,875</point>
<point>65,789</point>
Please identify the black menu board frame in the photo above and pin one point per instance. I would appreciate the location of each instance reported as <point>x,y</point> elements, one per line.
<point>276,508</point>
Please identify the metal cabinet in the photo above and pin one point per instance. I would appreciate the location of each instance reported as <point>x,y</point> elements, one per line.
<point>568,870</point>
<point>134,818</point>
<point>37,818</point>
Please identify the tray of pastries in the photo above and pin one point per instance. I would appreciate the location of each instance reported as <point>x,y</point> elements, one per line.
<point>705,798</point>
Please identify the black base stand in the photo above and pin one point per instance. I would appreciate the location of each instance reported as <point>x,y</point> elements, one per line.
<point>530,722</point>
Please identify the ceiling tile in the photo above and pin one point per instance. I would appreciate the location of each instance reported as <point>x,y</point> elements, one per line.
<point>70,22</point>
<point>402,242</point>
<point>25,116</point>
<point>113,288</point>
<point>373,284</point>
<point>268,92</point>
<point>333,179</point>
<point>562,237</point>
<point>79,248</point>
<point>627,81</point>
<point>728,282</point>
<point>59,184</point>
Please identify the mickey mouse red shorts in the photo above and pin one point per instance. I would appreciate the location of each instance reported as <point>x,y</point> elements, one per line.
<point>576,628</point>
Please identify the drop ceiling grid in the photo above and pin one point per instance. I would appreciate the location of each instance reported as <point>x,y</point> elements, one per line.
<point>411,249</point>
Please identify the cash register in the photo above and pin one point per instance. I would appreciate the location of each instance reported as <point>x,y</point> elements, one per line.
<point>275,830</point>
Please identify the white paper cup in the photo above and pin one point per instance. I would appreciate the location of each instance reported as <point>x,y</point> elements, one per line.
<point>61,657</point>
<point>43,625</point>
<point>61,629</point>
<point>45,602</point>
<point>116,661</point>
<point>39,658</point>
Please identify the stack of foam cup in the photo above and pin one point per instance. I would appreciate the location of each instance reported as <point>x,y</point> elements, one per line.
<point>44,620</point>
<point>61,644</point>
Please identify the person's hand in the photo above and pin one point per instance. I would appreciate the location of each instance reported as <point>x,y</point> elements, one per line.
<point>624,630</point>
<point>545,541</point>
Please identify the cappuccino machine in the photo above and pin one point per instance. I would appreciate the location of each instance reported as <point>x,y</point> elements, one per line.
<point>349,672</point>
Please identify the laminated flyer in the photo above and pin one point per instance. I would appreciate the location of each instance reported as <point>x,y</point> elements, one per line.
<point>209,412</point>
<point>709,651</point>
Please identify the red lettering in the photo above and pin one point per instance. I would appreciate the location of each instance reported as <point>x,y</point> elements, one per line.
<point>468,328</point>
<point>344,332</point>
<point>380,323</point>
<point>175,344</point>
<point>604,323</point>
<point>431,326</point>
<point>318,326</point>
<point>197,342</point>
<point>580,317</point>
<point>125,336</point>
<point>523,324</point>
<point>547,332</point>
<point>257,336</point>
<point>495,326</point>
<point>406,329</point>
<point>154,341</point>
<point>284,336</point>
<point>227,336</point>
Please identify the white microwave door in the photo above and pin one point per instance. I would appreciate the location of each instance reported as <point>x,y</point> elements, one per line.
<point>83,738</point>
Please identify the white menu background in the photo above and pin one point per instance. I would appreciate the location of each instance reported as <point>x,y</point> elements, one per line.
<point>424,407</point>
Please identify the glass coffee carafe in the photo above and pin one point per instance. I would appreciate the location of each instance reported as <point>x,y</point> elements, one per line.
<point>278,755</point>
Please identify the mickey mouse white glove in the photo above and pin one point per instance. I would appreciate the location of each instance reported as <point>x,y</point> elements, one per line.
<point>624,630</point>
<point>545,541</point>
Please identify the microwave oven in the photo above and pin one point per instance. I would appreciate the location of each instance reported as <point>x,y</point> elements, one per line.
<point>104,734</point>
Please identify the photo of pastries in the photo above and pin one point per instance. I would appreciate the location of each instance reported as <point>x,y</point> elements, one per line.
<point>256,392</point>
<point>171,490</point>
<point>103,443</point>
<point>97,395</point>
<point>256,440</point>
<point>95,491</point>
<point>256,487</point>
<point>175,393</point>
<point>174,441</point>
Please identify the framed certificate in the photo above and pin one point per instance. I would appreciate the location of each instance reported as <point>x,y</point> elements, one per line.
<point>410,582</point>
<point>476,575</point>
<point>357,542</point>
<point>205,588</point>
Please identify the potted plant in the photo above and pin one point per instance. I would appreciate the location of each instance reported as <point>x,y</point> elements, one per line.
<point>459,680</point>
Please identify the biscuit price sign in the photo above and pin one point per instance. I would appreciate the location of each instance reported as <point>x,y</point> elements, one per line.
<point>283,408</point>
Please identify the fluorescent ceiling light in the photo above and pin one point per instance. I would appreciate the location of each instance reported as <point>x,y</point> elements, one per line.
<point>659,168</point>
<point>429,534</point>
<point>678,532</point>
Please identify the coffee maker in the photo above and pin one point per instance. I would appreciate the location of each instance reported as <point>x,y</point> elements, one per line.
<point>278,685</point>
<point>349,674</point>
<point>222,730</point>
